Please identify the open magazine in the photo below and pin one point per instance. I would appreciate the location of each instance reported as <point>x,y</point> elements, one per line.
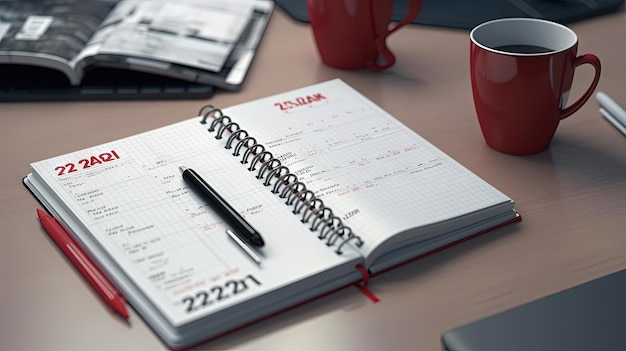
<point>209,42</point>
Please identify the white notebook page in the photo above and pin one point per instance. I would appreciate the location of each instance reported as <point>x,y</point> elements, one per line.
<point>131,197</point>
<point>375,173</point>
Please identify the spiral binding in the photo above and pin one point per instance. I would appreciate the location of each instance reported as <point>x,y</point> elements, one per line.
<point>285,184</point>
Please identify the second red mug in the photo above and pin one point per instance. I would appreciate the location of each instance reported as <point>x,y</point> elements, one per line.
<point>352,34</point>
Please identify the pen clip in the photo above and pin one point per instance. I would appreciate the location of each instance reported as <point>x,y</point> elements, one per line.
<point>247,249</point>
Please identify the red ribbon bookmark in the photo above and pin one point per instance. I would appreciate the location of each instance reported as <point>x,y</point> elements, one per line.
<point>363,284</point>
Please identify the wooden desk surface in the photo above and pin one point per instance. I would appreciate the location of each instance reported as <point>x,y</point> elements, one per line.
<point>572,198</point>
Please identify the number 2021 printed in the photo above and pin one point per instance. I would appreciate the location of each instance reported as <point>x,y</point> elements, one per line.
<point>218,293</point>
<point>87,162</point>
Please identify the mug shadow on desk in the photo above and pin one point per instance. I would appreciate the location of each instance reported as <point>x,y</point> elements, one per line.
<point>365,79</point>
<point>583,159</point>
<point>568,167</point>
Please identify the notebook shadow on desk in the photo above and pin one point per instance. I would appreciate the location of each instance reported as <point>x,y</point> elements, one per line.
<point>431,261</point>
<point>341,300</point>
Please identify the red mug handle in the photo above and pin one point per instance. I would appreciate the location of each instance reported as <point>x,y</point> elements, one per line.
<point>379,43</point>
<point>580,60</point>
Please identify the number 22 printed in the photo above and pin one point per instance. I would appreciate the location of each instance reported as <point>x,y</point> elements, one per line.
<point>87,162</point>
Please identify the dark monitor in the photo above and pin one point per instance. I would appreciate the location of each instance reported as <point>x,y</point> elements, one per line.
<point>591,316</point>
<point>465,14</point>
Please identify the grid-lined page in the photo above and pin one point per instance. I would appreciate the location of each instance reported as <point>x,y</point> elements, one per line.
<point>129,194</point>
<point>377,175</point>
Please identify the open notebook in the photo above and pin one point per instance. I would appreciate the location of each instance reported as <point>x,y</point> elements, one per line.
<point>330,180</point>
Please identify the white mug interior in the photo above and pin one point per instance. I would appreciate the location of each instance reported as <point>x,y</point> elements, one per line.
<point>523,31</point>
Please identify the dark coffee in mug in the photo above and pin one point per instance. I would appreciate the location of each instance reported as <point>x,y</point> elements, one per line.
<point>523,49</point>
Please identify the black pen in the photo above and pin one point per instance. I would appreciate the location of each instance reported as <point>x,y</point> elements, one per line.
<point>242,228</point>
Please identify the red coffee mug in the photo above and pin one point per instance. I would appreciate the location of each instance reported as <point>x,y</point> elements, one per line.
<point>522,71</point>
<point>351,34</point>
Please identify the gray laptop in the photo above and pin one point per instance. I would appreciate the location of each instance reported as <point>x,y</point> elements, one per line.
<point>587,317</point>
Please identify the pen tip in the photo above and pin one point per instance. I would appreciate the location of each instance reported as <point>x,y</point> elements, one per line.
<point>119,305</point>
<point>257,240</point>
<point>41,213</point>
<point>182,168</point>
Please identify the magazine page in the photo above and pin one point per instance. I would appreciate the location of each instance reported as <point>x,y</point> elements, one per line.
<point>193,33</point>
<point>48,33</point>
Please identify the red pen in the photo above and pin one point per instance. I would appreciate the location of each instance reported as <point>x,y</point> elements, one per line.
<point>83,263</point>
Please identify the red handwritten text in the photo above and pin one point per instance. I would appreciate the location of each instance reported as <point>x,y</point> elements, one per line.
<point>299,101</point>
